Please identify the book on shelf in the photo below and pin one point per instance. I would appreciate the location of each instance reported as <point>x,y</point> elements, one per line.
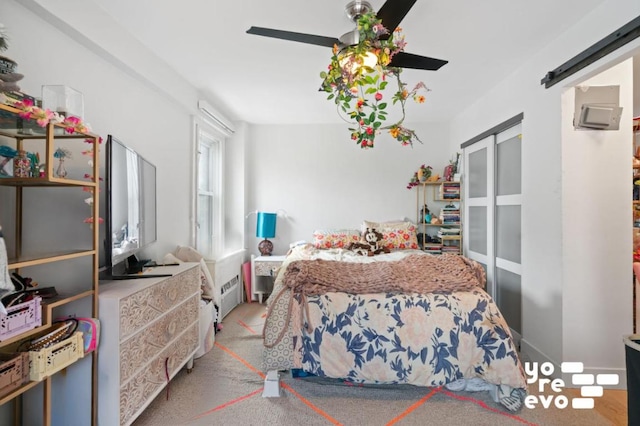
<point>450,250</point>
<point>433,249</point>
<point>11,98</point>
<point>447,234</point>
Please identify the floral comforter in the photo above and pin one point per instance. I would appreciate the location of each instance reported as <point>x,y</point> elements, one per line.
<point>431,339</point>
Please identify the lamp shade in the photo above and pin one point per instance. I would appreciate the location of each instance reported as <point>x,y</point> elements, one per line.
<point>266,225</point>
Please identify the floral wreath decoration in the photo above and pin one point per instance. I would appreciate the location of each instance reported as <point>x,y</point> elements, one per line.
<point>348,79</point>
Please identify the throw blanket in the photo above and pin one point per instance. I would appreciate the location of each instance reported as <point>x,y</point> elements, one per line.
<point>413,274</point>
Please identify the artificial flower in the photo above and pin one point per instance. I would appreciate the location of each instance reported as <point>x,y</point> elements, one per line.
<point>42,116</point>
<point>62,153</point>
<point>415,179</point>
<point>26,108</point>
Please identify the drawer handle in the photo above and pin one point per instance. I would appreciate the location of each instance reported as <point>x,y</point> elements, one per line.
<point>166,372</point>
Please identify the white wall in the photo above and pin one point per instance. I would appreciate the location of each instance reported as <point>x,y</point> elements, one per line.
<point>597,237</point>
<point>546,279</point>
<point>322,179</point>
<point>127,93</point>
<point>115,103</point>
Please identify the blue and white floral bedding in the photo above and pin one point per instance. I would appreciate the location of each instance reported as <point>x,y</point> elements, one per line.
<point>431,339</point>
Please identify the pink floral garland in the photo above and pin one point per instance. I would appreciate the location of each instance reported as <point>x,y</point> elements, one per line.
<point>44,116</point>
<point>71,125</point>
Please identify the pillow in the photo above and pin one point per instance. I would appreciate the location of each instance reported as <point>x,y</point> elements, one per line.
<point>395,235</point>
<point>189,254</point>
<point>335,238</point>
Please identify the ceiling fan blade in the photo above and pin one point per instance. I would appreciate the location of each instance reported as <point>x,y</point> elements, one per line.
<point>291,36</point>
<point>393,12</point>
<point>409,60</point>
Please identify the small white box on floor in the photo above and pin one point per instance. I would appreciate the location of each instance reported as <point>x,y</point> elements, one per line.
<point>271,385</point>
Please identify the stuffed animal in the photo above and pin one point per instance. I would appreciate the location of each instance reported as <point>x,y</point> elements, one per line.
<point>370,243</point>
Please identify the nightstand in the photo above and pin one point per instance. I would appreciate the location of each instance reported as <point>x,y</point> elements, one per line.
<point>263,266</point>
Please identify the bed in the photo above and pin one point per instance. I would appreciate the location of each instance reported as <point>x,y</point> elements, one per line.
<point>446,332</point>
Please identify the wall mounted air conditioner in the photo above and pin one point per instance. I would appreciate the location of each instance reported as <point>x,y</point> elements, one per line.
<point>597,108</point>
<point>599,117</point>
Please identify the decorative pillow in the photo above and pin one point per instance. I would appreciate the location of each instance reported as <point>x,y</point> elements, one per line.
<point>335,238</point>
<point>395,235</point>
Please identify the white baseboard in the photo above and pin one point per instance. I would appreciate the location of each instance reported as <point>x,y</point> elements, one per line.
<point>531,354</point>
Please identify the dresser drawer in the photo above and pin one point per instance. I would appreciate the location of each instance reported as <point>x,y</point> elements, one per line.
<point>139,309</point>
<point>136,351</point>
<point>136,394</point>
<point>267,269</point>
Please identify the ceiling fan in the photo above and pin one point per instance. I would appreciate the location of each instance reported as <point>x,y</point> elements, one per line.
<point>391,13</point>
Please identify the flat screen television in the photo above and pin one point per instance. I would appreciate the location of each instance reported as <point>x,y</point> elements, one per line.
<point>129,208</point>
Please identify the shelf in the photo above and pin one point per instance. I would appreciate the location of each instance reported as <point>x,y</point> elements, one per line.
<point>48,305</point>
<point>18,392</point>
<point>431,183</point>
<point>42,259</point>
<point>24,335</point>
<point>24,134</point>
<point>14,126</point>
<point>431,195</point>
<point>43,181</point>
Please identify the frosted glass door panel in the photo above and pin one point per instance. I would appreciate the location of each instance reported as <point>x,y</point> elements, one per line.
<point>478,229</point>
<point>509,164</point>
<point>478,174</point>
<point>508,233</point>
<point>508,225</point>
<point>509,298</point>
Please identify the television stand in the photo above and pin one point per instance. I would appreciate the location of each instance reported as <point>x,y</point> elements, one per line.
<point>145,323</point>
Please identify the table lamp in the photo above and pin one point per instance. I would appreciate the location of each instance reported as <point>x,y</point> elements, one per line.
<point>266,228</point>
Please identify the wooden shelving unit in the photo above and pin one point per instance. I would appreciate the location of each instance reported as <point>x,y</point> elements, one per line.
<point>443,200</point>
<point>24,134</point>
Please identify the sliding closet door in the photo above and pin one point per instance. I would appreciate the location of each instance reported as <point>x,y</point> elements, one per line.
<point>508,224</point>
<point>478,205</point>
<point>492,208</point>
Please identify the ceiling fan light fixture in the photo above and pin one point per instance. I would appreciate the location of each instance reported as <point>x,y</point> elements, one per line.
<point>356,80</point>
<point>364,61</point>
<point>352,62</point>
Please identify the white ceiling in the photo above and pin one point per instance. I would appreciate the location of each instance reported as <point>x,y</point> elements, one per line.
<point>263,80</point>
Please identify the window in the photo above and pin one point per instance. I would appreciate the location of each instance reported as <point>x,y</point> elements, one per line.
<point>211,130</point>
<point>209,210</point>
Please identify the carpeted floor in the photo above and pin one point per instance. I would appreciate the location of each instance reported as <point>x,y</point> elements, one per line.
<point>225,388</point>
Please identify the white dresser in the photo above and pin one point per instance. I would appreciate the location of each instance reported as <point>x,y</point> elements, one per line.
<point>149,329</point>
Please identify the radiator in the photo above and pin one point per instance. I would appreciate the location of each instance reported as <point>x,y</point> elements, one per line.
<point>227,278</point>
